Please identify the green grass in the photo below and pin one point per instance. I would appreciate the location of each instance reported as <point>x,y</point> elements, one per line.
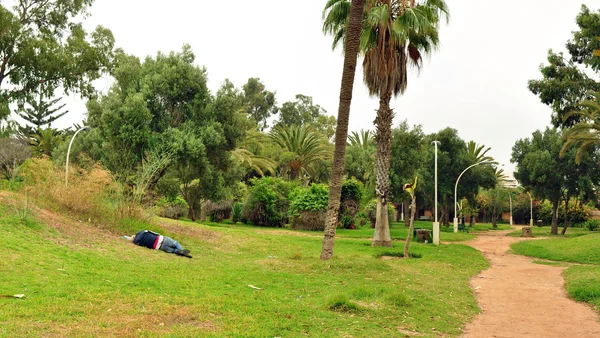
<point>580,249</point>
<point>582,282</point>
<point>94,283</point>
<point>545,232</point>
<point>398,231</point>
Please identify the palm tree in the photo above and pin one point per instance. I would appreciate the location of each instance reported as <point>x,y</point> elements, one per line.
<point>586,133</point>
<point>246,153</point>
<point>352,31</point>
<point>478,152</point>
<point>395,35</point>
<point>303,149</point>
<point>45,140</point>
<point>361,156</point>
<point>362,139</point>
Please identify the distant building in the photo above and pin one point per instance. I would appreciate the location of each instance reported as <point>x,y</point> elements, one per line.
<point>509,183</point>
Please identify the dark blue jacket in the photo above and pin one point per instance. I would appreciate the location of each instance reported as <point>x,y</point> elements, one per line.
<point>146,238</point>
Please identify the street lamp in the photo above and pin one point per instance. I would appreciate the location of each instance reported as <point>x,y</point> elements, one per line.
<point>436,224</point>
<point>530,207</point>
<point>510,205</point>
<point>86,128</point>
<point>456,188</point>
<point>530,210</point>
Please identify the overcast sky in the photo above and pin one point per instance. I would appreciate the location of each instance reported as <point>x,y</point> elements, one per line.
<point>476,82</point>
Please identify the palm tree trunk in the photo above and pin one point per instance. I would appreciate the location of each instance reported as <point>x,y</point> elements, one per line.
<point>351,46</point>
<point>413,207</point>
<point>383,124</point>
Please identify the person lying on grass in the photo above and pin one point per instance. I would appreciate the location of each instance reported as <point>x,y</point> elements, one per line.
<point>153,240</point>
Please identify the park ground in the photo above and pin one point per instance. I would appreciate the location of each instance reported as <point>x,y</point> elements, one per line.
<point>81,279</point>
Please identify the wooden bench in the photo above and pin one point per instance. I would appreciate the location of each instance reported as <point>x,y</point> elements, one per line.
<point>462,227</point>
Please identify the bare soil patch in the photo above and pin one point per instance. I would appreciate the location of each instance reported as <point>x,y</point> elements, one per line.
<point>519,298</point>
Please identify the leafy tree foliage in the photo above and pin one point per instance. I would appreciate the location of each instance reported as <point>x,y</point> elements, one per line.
<point>43,44</point>
<point>303,112</point>
<point>565,82</point>
<point>259,103</point>
<point>159,118</point>
<point>541,169</point>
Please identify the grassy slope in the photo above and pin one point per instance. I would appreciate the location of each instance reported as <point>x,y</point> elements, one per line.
<point>81,281</point>
<point>582,282</point>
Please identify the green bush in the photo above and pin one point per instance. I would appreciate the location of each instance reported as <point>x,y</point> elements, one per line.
<point>591,224</point>
<point>352,189</point>
<point>236,212</point>
<point>577,214</point>
<point>217,211</point>
<point>352,193</point>
<point>172,208</point>
<point>267,203</point>
<point>313,198</point>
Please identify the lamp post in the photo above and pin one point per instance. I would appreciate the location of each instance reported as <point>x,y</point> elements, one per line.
<point>530,207</point>
<point>455,190</point>
<point>86,128</point>
<point>510,205</point>
<point>530,210</point>
<point>436,224</point>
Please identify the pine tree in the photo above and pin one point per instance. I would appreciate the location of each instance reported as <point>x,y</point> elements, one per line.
<point>41,113</point>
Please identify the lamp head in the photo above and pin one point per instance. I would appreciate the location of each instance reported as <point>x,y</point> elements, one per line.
<point>86,128</point>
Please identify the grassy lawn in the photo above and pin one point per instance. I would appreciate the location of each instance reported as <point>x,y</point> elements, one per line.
<point>545,232</point>
<point>84,281</point>
<point>582,281</point>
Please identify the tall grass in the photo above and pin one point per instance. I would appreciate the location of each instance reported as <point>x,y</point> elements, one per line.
<point>91,195</point>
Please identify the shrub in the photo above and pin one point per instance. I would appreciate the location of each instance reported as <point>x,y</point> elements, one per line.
<point>217,211</point>
<point>577,214</point>
<point>592,224</point>
<point>172,208</point>
<point>313,198</point>
<point>267,203</point>
<point>13,153</point>
<point>352,192</point>
<point>239,191</point>
<point>236,212</point>
<point>308,206</point>
<point>310,220</point>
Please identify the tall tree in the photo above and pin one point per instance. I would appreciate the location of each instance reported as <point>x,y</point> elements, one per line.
<point>351,36</point>
<point>42,43</point>
<point>566,81</point>
<point>540,168</point>
<point>396,34</point>
<point>300,112</point>
<point>407,160</point>
<point>259,103</point>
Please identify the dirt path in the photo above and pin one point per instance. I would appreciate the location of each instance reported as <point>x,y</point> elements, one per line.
<point>522,299</point>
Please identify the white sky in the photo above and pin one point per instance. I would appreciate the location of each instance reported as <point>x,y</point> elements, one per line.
<point>476,82</point>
